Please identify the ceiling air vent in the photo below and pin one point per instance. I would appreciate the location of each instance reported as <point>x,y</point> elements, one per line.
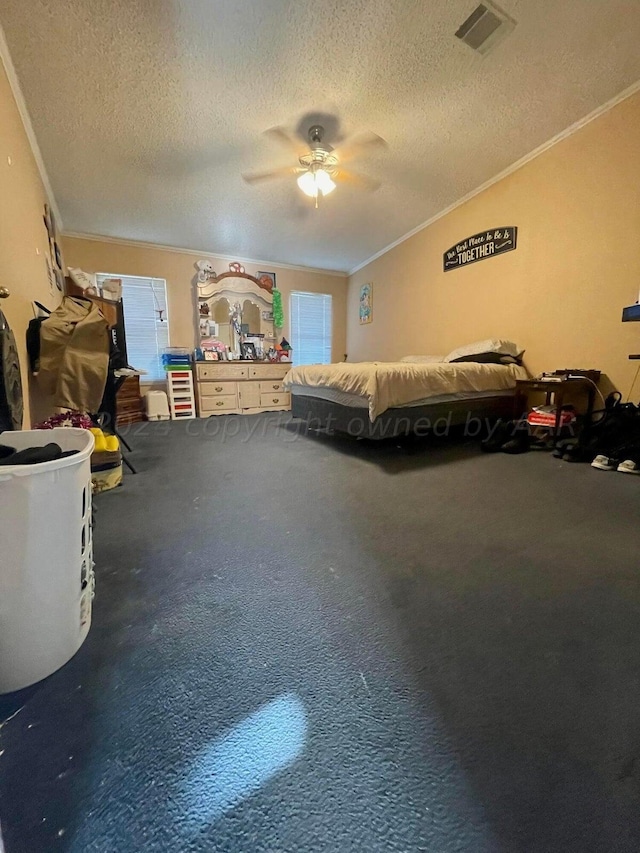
<point>485,27</point>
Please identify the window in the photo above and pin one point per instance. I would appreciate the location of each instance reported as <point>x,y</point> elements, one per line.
<point>144,301</point>
<point>311,328</point>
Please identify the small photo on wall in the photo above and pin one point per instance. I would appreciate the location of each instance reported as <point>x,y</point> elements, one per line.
<point>57,254</point>
<point>366,303</point>
<point>51,275</point>
<point>49,222</point>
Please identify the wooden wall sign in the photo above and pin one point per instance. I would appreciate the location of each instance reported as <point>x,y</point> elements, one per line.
<point>486,244</point>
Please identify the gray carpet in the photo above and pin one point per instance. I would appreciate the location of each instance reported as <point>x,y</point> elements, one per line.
<point>303,643</point>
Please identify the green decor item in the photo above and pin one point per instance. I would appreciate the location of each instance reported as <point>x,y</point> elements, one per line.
<point>278,313</point>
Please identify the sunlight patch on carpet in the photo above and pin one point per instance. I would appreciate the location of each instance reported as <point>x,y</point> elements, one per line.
<point>242,759</point>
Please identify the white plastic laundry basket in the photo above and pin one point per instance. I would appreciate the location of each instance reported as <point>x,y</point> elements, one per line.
<point>46,566</point>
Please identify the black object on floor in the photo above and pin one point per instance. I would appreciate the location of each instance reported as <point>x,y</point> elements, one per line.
<point>519,444</point>
<point>347,647</point>
<point>500,434</point>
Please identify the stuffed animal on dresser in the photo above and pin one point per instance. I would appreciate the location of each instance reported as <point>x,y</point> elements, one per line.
<point>205,271</point>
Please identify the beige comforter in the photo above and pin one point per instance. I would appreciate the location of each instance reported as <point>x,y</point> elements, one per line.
<point>389,384</point>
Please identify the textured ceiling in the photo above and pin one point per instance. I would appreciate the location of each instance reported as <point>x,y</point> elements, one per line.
<point>147,111</point>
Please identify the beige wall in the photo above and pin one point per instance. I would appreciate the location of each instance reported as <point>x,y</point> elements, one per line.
<point>178,269</point>
<point>559,295</point>
<point>22,234</point>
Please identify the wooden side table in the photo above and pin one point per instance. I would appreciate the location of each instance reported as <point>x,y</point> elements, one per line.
<point>129,401</point>
<point>555,391</point>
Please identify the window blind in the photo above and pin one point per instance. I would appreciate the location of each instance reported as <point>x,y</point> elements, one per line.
<point>144,301</point>
<point>311,328</point>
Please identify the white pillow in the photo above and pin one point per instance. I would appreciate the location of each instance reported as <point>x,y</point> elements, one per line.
<point>491,345</point>
<point>422,359</point>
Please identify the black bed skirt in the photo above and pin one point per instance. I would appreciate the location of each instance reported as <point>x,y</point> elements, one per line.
<point>474,416</point>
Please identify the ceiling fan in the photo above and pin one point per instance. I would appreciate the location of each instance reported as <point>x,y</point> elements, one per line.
<point>320,165</point>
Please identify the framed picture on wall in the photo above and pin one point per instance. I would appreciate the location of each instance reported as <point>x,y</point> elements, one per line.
<point>54,251</point>
<point>366,303</point>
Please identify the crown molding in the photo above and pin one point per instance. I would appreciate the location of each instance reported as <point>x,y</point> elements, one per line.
<point>204,253</point>
<point>569,131</point>
<point>14,85</point>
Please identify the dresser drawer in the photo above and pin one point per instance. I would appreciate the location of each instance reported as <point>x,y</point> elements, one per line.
<point>215,389</point>
<point>271,387</point>
<point>269,400</point>
<point>222,371</point>
<point>127,407</point>
<point>209,405</point>
<point>130,389</point>
<point>125,418</point>
<point>268,371</point>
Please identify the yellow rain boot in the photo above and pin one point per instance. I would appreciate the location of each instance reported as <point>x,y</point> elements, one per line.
<point>113,445</point>
<point>100,440</point>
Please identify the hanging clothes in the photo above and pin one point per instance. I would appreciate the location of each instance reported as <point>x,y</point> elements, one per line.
<point>74,355</point>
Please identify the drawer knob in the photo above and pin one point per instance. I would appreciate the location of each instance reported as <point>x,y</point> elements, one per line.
<point>276,387</point>
<point>218,387</point>
<point>275,399</point>
<point>220,403</point>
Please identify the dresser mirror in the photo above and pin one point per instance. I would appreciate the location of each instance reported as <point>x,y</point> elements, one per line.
<point>239,308</point>
<point>221,315</point>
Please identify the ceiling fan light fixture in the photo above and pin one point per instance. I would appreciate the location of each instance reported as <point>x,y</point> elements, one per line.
<point>321,164</point>
<point>307,184</point>
<point>313,182</point>
<point>324,182</point>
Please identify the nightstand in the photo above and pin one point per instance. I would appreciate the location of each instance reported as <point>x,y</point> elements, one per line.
<point>555,391</point>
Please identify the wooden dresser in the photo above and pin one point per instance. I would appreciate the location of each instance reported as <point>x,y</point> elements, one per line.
<point>245,387</point>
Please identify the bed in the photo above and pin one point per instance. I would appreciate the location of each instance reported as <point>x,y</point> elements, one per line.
<point>387,399</point>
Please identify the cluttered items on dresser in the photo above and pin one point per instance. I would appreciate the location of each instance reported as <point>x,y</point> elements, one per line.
<point>240,362</point>
<point>237,316</point>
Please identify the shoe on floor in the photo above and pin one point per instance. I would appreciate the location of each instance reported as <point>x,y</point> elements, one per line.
<point>605,463</point>
<point>576,453</point>
<point>502,432</point>
<point>520,444</point>
<point>563,446</point>
<point>629,467</point>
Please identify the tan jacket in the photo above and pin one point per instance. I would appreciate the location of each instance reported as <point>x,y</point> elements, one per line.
<point>74,355</point>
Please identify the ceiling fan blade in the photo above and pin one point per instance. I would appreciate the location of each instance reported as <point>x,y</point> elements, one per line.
<point>272,174</point>
<point>282,136</point>
<point>358,144</point>
<point>362,182</point>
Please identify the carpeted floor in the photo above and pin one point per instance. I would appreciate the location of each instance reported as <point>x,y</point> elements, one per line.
<point>302,643</point>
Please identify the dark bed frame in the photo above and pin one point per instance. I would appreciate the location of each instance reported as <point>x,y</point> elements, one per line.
<point>435,419</point>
